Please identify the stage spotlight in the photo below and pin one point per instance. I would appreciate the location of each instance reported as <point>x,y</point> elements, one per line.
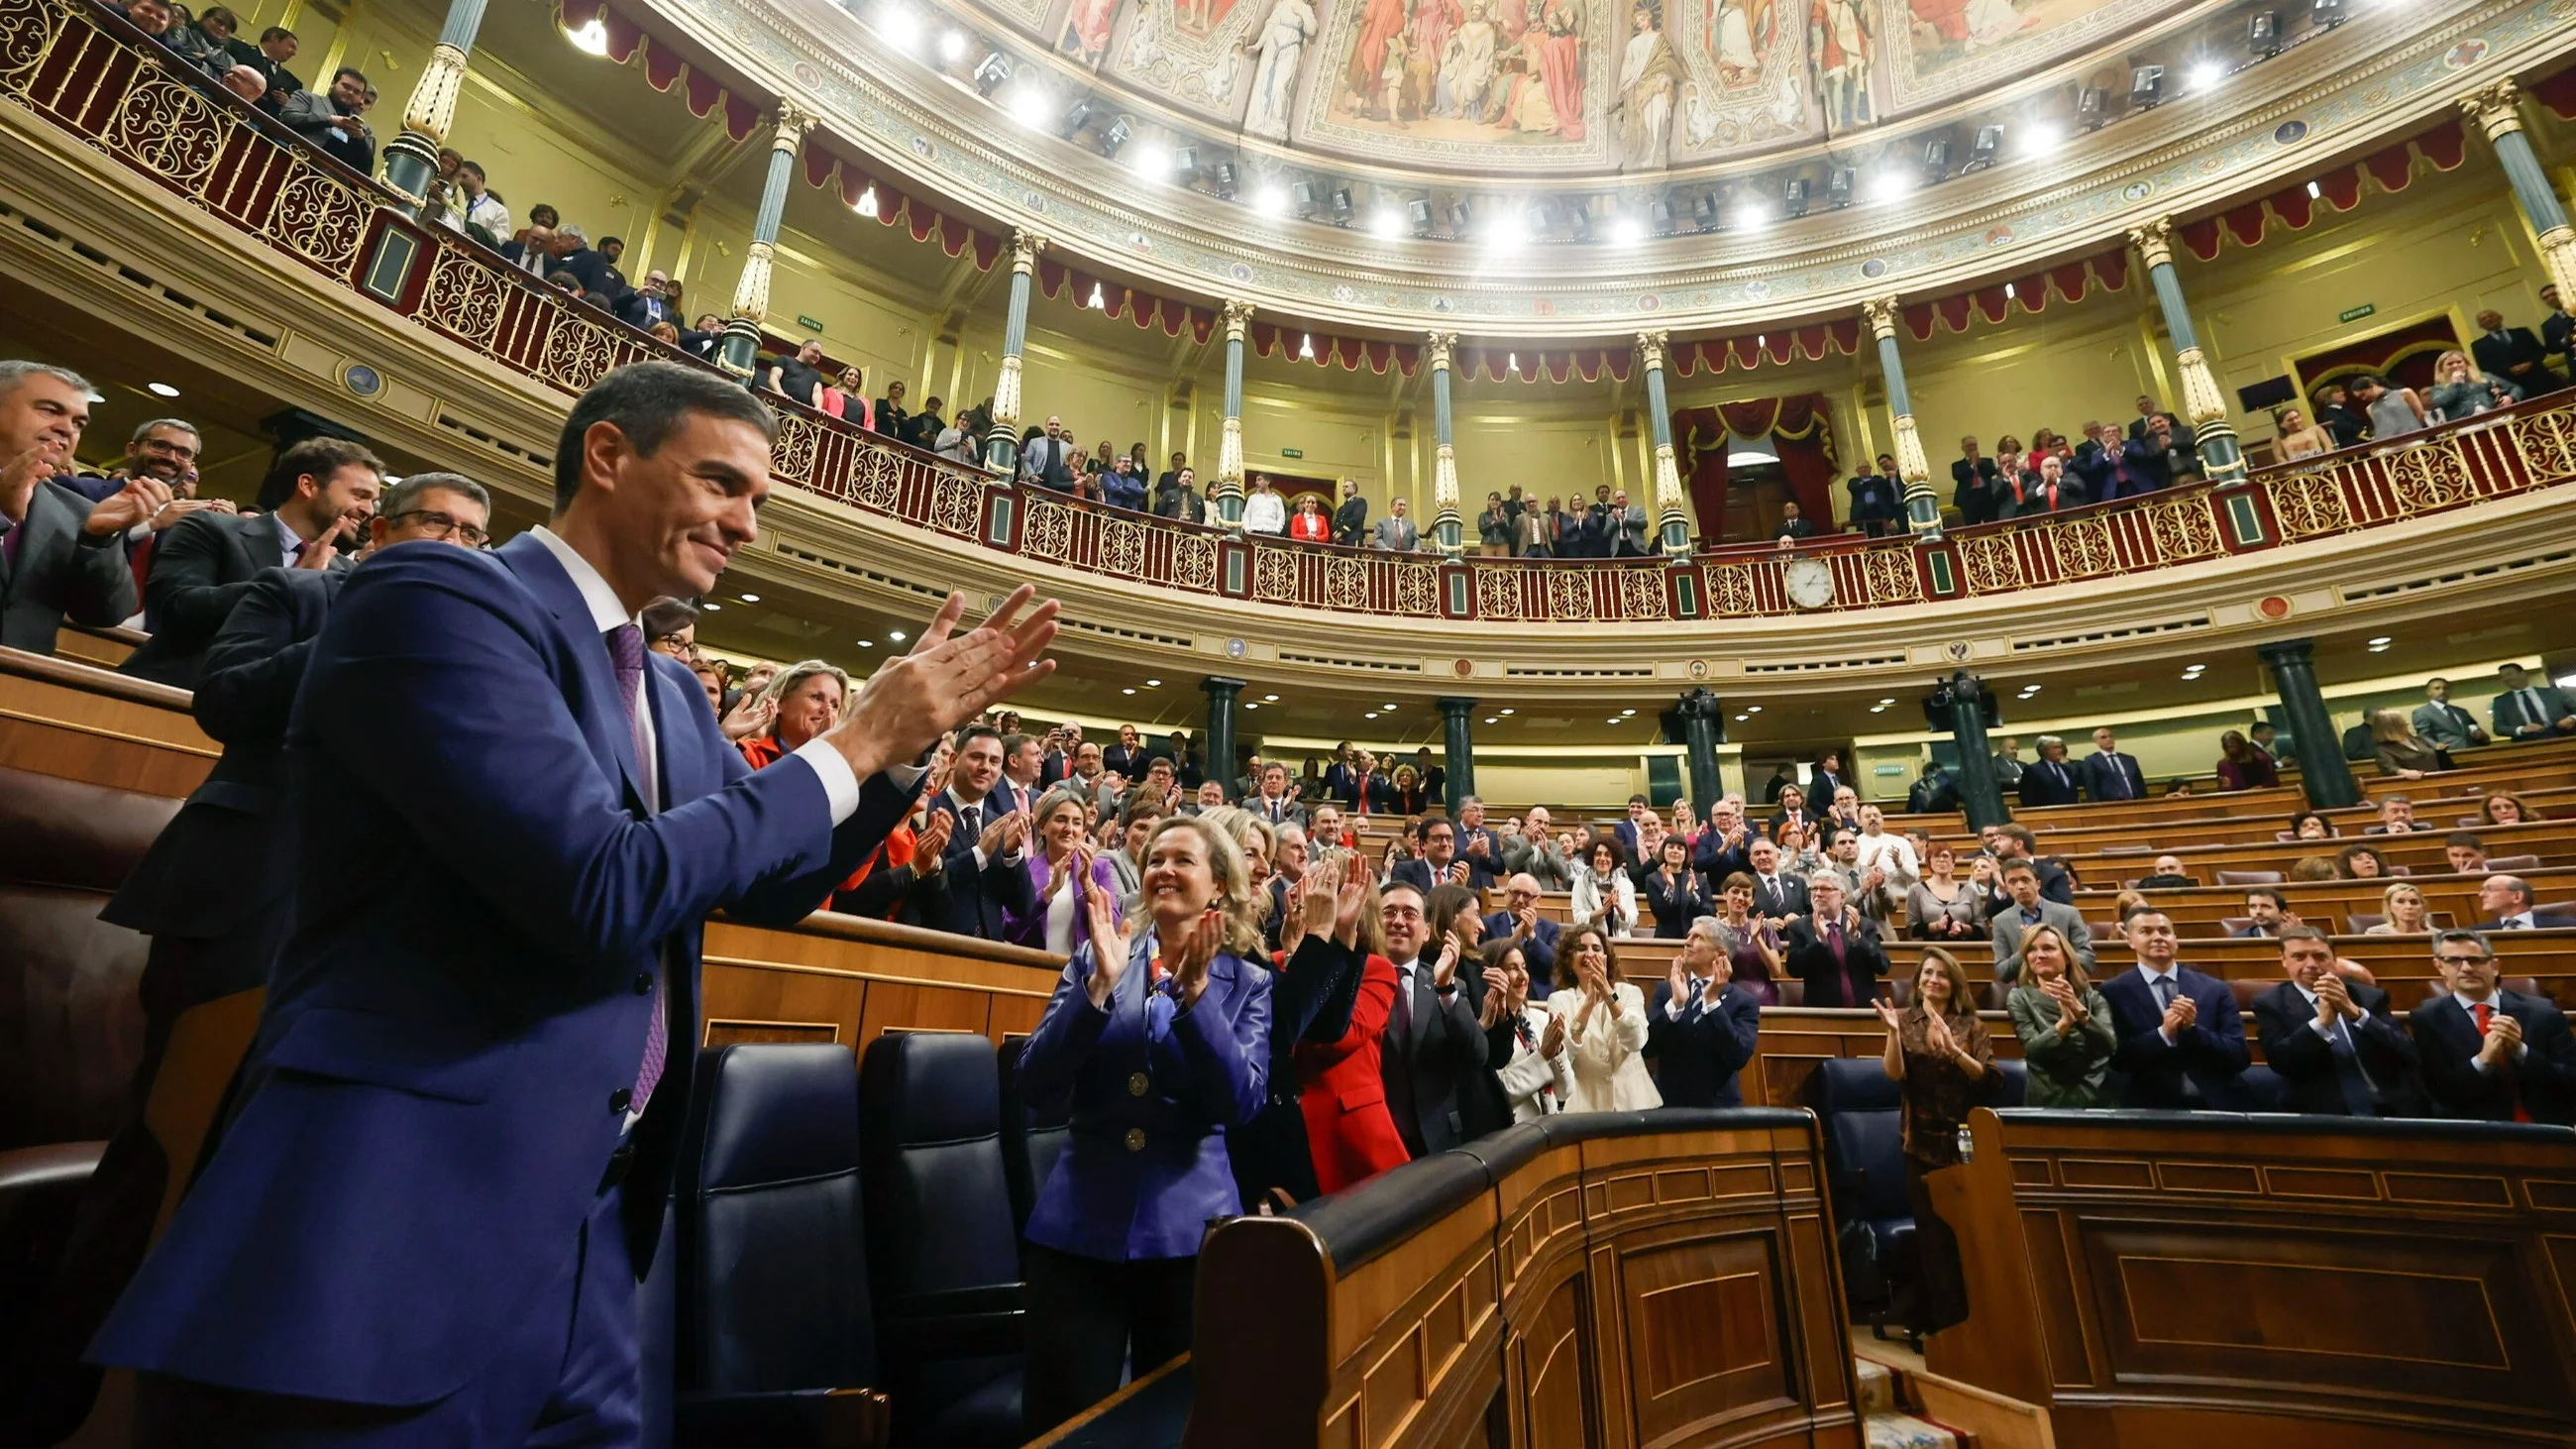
<point>1706,211</point>
<point>2146,87</point>
<point>2092,107</point>
<point>1301,198</point>
<point>1659,216</point>
<point>1578,220</point>
<point>1838,188</point>
<point>1224,180</point>
<point>1461,216</point>
<point>2325,14</point>
<point>1793,199</point>
<point>1185,164</point>
<point>1418,212</point>
<point>992,74</point>
<point>1982,152</point>
<point>1936,162</point>
<point>1115,136</point>
<point>2263,34</point>
<point>1341,206</point>
<point>1078,117</point>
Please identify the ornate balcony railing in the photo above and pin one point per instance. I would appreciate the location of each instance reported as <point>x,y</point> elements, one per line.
<point>85,71</point>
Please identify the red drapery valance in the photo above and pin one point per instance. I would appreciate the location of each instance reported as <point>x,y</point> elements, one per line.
<point>1799,431</point>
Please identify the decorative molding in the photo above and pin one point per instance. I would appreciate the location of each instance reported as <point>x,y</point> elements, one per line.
<point>1238,317</point>
<point>2558,253</point>
<point>2201,399</point>
<point>1436,349</point>
<point>1026,247</point>
<point>433,97</point>
<point>1650,350</point>
<point>2154,242</point>
<point>2496,108</point>
<point>1880,314</point>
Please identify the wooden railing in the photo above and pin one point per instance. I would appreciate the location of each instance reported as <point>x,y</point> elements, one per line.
<point>2204,1278</point>
<point>88,73</point>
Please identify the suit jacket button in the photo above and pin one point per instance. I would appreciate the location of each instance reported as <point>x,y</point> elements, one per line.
<point>643,983</point>
<point>621,1099</point>
<point>1135,1139</point>
<point>1137,1085</point>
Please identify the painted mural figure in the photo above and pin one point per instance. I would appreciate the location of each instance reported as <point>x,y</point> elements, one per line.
<point>1379,23</point>
<point>1649,74</point>
<point>1561,64</point>
<point>1434,21</point>
<point>1838,42</point>
<point>1086,30</point>
<point>1281,46</point>
<point>1741,39</point>
<point>1467,67</point>
<point>1992,22</point>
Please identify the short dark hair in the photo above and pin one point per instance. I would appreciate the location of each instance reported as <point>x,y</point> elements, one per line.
<point>667,616</point>
<point>474,166</point>
<point>275,32</point>
<point>1011,743</point>
<point>349,70</point>
<point>312,458</point>
<point>2015,830</point>
<point>2277,898</point>
<point>2021,867</point>
<point>2461,937</point>
<point>2300,933</point>
<point>646,401</point>
<point>404,497</point>
<point>2468,838</point>
<point>1423,830</point>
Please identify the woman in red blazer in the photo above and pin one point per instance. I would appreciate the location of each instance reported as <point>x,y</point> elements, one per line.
<point>1310,525</point>
<point>1348,1128</point>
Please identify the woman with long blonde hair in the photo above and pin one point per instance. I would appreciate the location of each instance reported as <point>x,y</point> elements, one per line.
<point>2064,1024</point>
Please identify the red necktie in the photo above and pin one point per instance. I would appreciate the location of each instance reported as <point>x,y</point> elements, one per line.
<point>2052,498</point>
<point>2485,1012</point>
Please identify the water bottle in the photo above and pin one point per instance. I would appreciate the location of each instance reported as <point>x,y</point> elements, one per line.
<point>1967,1145</point>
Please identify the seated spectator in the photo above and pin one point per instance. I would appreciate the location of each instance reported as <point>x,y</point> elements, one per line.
<point>1937,1048</point>
<point>1605,1026</point>
<point>2332,1043</point>
<point>2503,807</point>
<point>2528,711</point>
<point>2393,412</point>
<point>1264,511</point>
<point>1065,872</point>
<point>565,282</point>
<point>2403,912</point>
<point>2466,852</point>
<point>1603,894</point>
<point>2169,875</point>
<point>1523,1039</point>
<point>2402,752</point>
<point>1701,1029</point>
<point>2241,766</point>
<point>1794,527</point>
<point>2312,868</point>
<point>61,550</point>
<point>2295,437</point>
<point>2444,725</point>
<point>1673,891</point>
<point>2309,825</point>
<point>246,85</point>
<point>2028,909</point>
<point>2396,817</point>
<point>2267,913</point>
<point>2176,1026</point>
<point>2360,862</point>
<point>2064,1024</point>
<point>335,120</point>
<point>1107,1291</point>
<point>1941,908</point>
<point>1395,532</point>
<point>1833,949</point>
<point>798,378</point>
<point>1309,525</point>
<point>2506,899</point>
<point>2492,1055</point>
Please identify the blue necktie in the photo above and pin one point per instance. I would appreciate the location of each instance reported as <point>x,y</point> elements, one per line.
<point>2348,1071</point>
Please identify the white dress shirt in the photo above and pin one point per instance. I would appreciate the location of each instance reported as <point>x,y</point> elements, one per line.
<point>2173,975</point>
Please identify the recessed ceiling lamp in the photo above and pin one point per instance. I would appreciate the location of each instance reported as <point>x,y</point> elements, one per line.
<point>1153,684</point>
<point>895,634</point>
<point>1504,711</point>
<point>866,205</point>
<point>748,598</point>
<point>2206,75</point>
<point>1031,106</point>
<point>2263,34</point>
<point>160,389</point>
<point>1491,719</point>
<point>710,606</point>
<point>591,38</point>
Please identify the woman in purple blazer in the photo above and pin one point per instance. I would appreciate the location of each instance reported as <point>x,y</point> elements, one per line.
<point>1065,874</point>
<point>1160,1044</point>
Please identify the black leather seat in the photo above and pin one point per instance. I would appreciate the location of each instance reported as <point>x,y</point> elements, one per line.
<point>1863,1117</point>
<point>944,1253</point>
<point>773,1313</point>
<point>1031,1139</point>
<point>2013,1082</point>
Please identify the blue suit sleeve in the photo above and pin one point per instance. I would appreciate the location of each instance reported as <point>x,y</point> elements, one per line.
<point>422,664</point>
<point>1228,1057</point>
<point>247,681</point>
<point>1053,1056</point>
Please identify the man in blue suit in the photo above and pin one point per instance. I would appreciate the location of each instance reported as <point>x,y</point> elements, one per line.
<point>2174,1024</point>
<point>1521,924</point>
<point>983,881</point>
<point>1700,1029</point>
<point>2052,779</point>
<point>446,1173</point>
<point>2111,775</point>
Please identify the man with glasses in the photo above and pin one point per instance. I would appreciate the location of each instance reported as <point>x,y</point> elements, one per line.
<point>1520,923</point>
<point>215,892</point>
<point>2492,1055</point>
<point>318,498</point>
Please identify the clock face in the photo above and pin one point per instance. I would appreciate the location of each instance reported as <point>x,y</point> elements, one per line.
<point>1810,582</point>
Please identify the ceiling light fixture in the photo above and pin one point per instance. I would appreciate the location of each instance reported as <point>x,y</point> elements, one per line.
<point>1388,224</point>
<point>895,634</point>
<point>2092,107</point>
<point>748,598</point>
<point>1838,188</point>
<point>1503,711</point>
<point>1490,719</point>
<point>160,389</point>
<point>1418,213</point>
<point>1077,117</point>
<point>2382,639</point>
<point>1793,199</point>
<point>2325,14</point>
<point>1030,106</point>
<point>2146,87</point>
<point>1223,180</point>
<point>1152,161</point>
<point>1127,691</point>
<point>1270,699</point>
<point>1115,136</point>
<point>901,26</point>
<point>2008,291</point>
<point>1372,714</point>
<point>1628,231</point>
<point>1099,299</point>
<point>1983,151</point>
<point>1271,199</point>
<point>2315,192</point>
<point>711,606</point>
<point>866,643</point>
<point>992,73</point>
<point>591,38</point>
<point>1936,162</point>
<point>1306,347</point>
<point>2206,75</point>
<point>1153,684</point>
<point>2263,34</point>
<point>866,205</point>
<point>952,47</point>
<point>1753,709</point>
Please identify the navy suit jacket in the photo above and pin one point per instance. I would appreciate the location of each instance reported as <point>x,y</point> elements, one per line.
<point>2211,1054</point>
<point>1538,952</point>
<point>484,904</point>
<point>965,901</point>
<point>2049,782</point>
<point>2304,1062</point>
<point>1697,1057</point>
<point>2544,1078</point>
<point>2104,774</point>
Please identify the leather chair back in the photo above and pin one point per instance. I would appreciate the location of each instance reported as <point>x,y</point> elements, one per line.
<point>1862,1112</point>
<point>2012,1082</point>
<point>940,1236</point>
<point>1031,1140</point>
<point>773,1277</point>
<point>2249,877</point>
<point>71,1021</point>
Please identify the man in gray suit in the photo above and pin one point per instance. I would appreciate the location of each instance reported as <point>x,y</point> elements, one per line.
<point>2028,909</point>
<point>2528,711</point>
<point>1631,518</point>
<point>60,554</point>
<point>2445,724</point>
<point>1396,532</point>
<point>1049,463</point>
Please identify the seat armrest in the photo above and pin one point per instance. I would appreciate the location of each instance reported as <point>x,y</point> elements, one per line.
<point>795,1419</point>
<point>56,1164</point>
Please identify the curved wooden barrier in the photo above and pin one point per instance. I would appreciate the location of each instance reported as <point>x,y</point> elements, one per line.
<point>1598,1278</point>
<point>2219,1280</point>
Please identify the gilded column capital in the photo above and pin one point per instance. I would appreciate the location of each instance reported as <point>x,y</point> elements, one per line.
<point>2558,254</point>
<point>1880,313</point>
<point>1650,349</point>
<point>1025,247</point>
<point>2154,242</point>
<point>433,98</point>
<point>793,123</point>
<point>1238,316</point>
<point>2495,108</point>
<point>1440,344</point>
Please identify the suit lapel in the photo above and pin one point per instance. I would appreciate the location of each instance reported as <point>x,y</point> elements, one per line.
<point>603,722</point>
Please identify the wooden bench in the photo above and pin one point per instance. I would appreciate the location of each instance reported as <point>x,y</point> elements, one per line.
<point>80,722</point>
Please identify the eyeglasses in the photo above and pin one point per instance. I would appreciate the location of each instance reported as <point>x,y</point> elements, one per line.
<point>441,526</point>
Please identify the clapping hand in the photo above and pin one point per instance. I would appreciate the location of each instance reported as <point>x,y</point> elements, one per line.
<point>2503,1041</point>
<point>135,503</point>
<point>1445,972</point>
<point>1677,982</point>
<point>1319,894</point>
<point>1198,948</point>
<point>1498,984</point>
<point>1108,947</point>
<point>945,681</point>
<point>752,715</point>
<point>1552,1045</point>
<point>1352,901</point>
<point>930,844</point>
<point>1524,924</point>
<point>1936,1034</point>
<point>1015,831</point>
<point>2180,1016</point>
<point>1889,1013</point>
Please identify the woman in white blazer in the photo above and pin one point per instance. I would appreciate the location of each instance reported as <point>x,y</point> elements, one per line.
<point>1525,1043</point>
<point>1605,1025</point>
<point>1603,894</point>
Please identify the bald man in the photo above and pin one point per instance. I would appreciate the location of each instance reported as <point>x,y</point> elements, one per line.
<point>1520,923</point>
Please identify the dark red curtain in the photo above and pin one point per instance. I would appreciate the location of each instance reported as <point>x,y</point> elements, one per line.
<point>1798,431</point>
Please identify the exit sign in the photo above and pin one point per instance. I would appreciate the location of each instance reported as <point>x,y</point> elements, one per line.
<point>2355,314</point>
<point>810,325</point>
<point>1292,452</point>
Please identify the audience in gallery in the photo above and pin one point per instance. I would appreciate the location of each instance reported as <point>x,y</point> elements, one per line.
<point>1937,1049</point>
<point>2243,765</point>
<point>2463,391</point>
<point>2027,909</point>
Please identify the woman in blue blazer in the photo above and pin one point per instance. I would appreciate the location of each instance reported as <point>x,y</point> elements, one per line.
<point>1160,1043</point>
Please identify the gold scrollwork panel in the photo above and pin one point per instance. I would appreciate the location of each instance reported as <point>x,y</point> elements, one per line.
<point>1991,563</point>
<point>2310,504</point>
<point>1046,531</point>
<point>1417,589</point>
<point>2182,529</point>
<point>1194,563</point>
<point>2436,476</point>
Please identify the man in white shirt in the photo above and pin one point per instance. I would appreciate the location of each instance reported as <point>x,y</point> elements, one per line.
<point>1887,864</point>
<point>477,213</point>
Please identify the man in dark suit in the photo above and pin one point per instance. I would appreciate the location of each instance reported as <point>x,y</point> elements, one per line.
<point>1434,1048</point>
<point>2506,902</point>
<point>2525,710</point>
<point>2331,1041</point>
<point>1631,843</point>
<point>1725,844</point>
<point>2492,1055</point>
<point>650,303</point>
<point>477,1049</point>
<point>2558,336</point>
<point>1830,780</point>
<point>2443,724</point>
<point>277,46</point>
<point>704,338</point>
<point>2175,1025</point>
<point>1050,462</point>
<point>1520,923</point>
<point>1972,480</point>
<point>1439,863</point>
<point>596,268</point>
<point>1478,845</point>
<point>1700,1030</point>
<point>983,873</point>
<point>1350,516</point>
<point>2050,779</point>
<point>1272,802</point>
<point>214,894</point>
<point>2111,775</point>
<point>319,492</point>
<point>1777,896</point>
<point>1833,949</point>
<point>60,553</point>
<point>2511,353</point>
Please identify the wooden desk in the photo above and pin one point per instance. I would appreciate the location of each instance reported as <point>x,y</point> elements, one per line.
<point>1600,1278</point>
<point>80,722</point>
<point>835,978</point>
<point>2219,1280</point>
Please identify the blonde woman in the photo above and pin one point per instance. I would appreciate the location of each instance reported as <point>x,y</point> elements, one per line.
<point>2405,913</point>
<point>1605,1025</point>
<point>2461,391</point>
<point>2064,1024</point>
<point>799,704</point>
<point>1937,1048</point>
<point>2402,753</point>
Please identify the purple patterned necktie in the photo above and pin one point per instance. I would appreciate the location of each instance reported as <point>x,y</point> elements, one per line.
<point>626,652</point>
